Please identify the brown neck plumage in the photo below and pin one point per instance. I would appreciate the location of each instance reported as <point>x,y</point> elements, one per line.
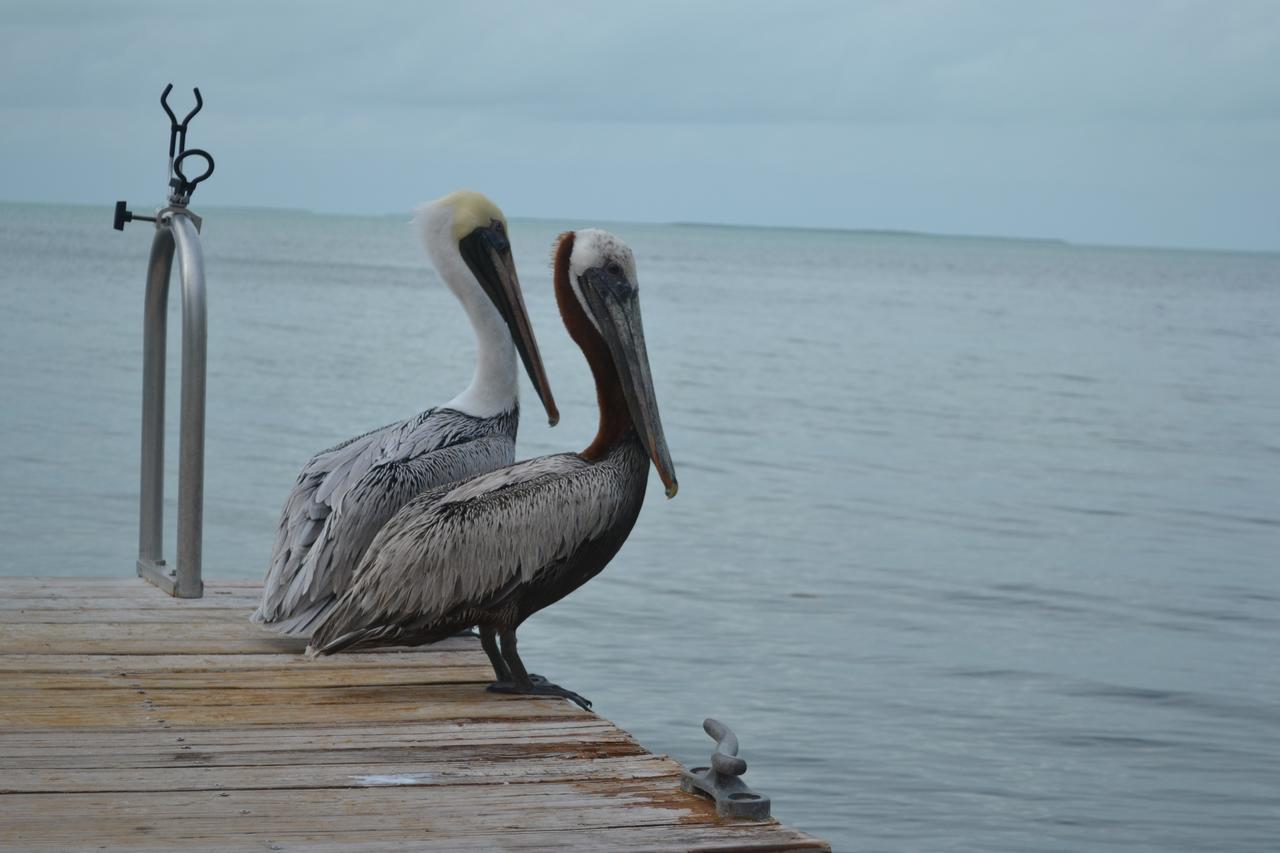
<point>615,418</point>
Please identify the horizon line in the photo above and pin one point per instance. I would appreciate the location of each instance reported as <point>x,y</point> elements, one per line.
<point>903,233</point>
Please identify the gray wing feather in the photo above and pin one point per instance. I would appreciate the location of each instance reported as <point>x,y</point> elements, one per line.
<point>303,518</point>
<point>344,496</point>
<point>459,545</point>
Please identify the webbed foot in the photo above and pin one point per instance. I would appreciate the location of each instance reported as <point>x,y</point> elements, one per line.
<point>539,686</point>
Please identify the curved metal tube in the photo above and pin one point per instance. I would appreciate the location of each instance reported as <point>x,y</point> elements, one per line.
<point>154,332</point>
<point>176,228</point>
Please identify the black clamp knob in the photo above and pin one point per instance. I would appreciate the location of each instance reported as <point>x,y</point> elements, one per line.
<point>123,215</point>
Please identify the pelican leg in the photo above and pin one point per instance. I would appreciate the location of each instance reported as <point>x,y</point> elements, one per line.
<point>522,682</point>
<point>490,645</point>
<point>501,672</point>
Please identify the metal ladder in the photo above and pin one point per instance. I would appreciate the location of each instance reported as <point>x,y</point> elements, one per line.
<point>177,229</point>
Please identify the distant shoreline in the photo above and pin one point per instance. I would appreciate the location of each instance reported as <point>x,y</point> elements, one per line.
<point>898,233</point>
<point>878,232</point>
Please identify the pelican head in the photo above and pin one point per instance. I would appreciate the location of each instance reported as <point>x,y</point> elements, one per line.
<point>466,226</point>
<point>602,275</point>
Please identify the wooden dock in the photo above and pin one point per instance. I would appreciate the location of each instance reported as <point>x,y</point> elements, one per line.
<point>130,720</point>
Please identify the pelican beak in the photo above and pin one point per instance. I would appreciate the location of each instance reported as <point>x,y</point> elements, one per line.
<point>615,303</point>
<point>487,253</point>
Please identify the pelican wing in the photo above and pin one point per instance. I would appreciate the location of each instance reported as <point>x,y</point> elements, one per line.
<point>345,494</point>
<point>461,546</point>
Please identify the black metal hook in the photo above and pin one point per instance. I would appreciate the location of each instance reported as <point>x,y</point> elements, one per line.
<point>181,185</point>
<point>178,131</point>
<point>190,183</point>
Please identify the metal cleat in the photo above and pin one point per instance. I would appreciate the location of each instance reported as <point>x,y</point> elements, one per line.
<point>721,781</point>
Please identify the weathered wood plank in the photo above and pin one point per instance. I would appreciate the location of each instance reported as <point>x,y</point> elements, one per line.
<point>491,755</point>
<point>464,667</point>
<point>466,697</point>
<point>180,709</point>
<point>192,636</point>
<point>691,837</point>
<point>445,810</point>
<point>243,697</point>
<point>551,766</point>
<point>122,601</point>
<point>142,646</point>
<point>142,638</point>
<point>54,586</point>
<point>211,631</point>
<point>88,594</point>
<point>126,615</point>
<point>433,655</point>
<point>329,744</point>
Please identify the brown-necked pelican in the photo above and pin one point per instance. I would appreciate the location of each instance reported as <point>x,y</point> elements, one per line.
<point>499,547</point>
<point>345,494</point>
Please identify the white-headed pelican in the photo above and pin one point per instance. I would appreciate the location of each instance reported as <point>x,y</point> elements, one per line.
<point>345,494</point>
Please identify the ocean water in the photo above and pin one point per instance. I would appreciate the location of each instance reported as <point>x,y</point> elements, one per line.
<point>977,544</point>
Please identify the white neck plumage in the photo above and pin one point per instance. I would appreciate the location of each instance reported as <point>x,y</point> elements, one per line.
<point>494,387</point>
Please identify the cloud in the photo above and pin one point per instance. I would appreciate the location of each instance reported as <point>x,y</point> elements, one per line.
<point>959,116</point>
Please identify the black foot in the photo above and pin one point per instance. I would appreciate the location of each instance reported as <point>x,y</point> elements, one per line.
<point>541,687</point>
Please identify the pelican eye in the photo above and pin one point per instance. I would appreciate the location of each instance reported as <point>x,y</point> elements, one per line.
<point>499,235</point>
<point>614,268</point>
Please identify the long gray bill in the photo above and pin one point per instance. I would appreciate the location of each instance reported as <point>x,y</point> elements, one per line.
<point>488,255</point>
<point>616,305</point>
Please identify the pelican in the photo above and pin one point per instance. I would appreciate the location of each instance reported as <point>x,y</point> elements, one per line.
<point>497,548</point>
<point>345,494</point>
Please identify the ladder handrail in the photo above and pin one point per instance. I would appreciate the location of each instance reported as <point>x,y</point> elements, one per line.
<point>177,230</point>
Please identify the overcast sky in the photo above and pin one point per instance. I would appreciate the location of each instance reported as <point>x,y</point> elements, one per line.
<point>1143,122</point>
